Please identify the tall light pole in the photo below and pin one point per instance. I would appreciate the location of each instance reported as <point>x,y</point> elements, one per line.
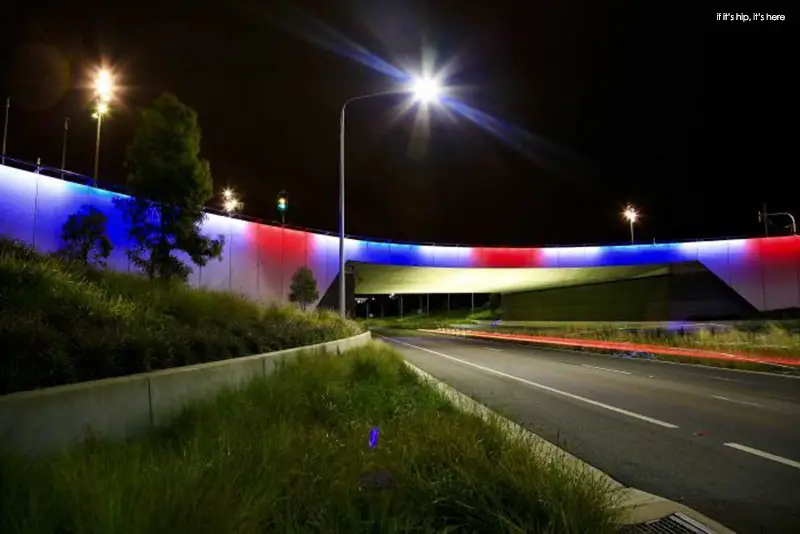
<point>5,127</point>
<point>230,204</point>
<point>103,89</point>
<point>766,216</point>
<point>630,214</point>
<point>64,147</point>
<point>425,90</point>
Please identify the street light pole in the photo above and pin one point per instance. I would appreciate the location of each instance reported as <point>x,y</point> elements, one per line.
<point>64,147</point>
<point>5,128</point>
<point>787,214</point>
<point>97,145</point>
<point>425,89</point>
<point>631,215</point>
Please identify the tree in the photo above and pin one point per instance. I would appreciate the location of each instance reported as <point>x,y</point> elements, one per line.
<point>169,185</point>
<point>85,238</point>
<point>304,287</point>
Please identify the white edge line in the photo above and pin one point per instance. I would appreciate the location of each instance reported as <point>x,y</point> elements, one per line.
<point>606,369</point>
<point>767,455</point>
<point>737,401</point>
<point>541,386</point>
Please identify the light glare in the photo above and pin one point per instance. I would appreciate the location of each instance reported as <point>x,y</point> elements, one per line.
<point>104,85</point>
<point>630,214</point>
<point>426,89</point>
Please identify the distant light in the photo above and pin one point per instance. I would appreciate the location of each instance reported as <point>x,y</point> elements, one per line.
<point>426,89</point>
<point>231,205</point>
<point>630,214</point>
<point>227,194</point>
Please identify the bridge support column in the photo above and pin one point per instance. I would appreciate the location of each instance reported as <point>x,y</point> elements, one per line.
<point>472,303</point>
<point>448,302</point>
<point>401,306</point>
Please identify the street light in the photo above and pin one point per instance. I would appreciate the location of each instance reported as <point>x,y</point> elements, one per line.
<point>425,90</point>
<point>230,204</point>
<point>103,90</point>
<point>631,215</point>
<point>283,205</point>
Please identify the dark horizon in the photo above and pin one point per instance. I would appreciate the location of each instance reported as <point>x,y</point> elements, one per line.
<point>662,106</point>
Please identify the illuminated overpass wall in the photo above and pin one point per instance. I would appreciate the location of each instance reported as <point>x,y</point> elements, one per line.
<point>260,259</point>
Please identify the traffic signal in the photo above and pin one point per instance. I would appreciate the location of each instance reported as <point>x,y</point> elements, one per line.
<point>283,202</point>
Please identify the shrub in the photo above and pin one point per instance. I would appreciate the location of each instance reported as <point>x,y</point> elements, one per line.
<point>62,323</point>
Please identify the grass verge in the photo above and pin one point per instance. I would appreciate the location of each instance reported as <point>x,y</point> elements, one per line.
<point>758,337</point>
<point>62,323</point>
<point>289,453</point>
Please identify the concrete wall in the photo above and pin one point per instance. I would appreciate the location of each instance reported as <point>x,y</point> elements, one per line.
<point>686,293</point>
<point>259,259</point>
<point>117,408</point>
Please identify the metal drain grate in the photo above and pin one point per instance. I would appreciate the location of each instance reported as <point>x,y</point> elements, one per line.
<point>677,523</point>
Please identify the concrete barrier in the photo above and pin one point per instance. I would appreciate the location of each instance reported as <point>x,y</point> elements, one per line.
<point>52,419</point>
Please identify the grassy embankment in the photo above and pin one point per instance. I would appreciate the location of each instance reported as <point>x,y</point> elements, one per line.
<point>289,453</point>
<point>749,338</point>
<point>62,323</point>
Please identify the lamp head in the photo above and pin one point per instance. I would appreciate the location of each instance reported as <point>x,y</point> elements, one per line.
<point>426,89</point>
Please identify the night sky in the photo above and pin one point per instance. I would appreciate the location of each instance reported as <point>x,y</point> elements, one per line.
<point>603,103</point>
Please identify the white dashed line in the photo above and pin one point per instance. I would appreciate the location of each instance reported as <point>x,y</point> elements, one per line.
<point>737,401</point>
<point>541,386</point>
<point>493,349</point>
<point>767,455</point>
<point>607,369</point>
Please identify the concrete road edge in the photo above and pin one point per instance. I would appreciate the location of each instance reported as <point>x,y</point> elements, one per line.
<point>636,506</point>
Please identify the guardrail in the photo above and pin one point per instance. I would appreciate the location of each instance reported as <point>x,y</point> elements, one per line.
<point>52,419</point>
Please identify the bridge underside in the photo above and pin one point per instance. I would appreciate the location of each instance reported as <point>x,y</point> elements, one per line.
<point>678,291</point>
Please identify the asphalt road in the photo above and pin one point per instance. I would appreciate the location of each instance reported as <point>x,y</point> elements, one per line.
<point>726,443</point>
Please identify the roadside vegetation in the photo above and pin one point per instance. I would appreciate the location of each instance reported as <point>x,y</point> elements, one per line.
<point>64,321</point>
<point>296,452</point>
<point>764,338</point>
<point>747,338</point>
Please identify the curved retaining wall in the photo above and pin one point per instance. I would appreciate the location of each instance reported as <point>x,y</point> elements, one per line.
<point>259,259</point>
<point>53,418</point>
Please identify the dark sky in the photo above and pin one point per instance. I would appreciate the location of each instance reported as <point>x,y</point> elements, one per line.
<point>651,102</point>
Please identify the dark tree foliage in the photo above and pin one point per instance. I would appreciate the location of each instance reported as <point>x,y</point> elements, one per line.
<point>85,238</point>
<point>304,287</point>
<point>494,301</point>
<point>169,185</point>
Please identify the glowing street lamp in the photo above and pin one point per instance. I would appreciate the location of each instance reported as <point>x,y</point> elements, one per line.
<point>103,89</point>
<point>230,204</point>
<point>630,214</point>
<point>104,85</point>
<point>424,90</point>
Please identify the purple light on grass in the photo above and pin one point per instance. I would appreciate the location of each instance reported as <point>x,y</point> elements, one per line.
<point>373,437</point>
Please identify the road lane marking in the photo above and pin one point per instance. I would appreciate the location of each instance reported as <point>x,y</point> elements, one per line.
<point>767,455</point>
<point>607,369</point>
<point>738,401</point>
<point>541,386</point>
<point>723,378</point>
<point>494,349</point>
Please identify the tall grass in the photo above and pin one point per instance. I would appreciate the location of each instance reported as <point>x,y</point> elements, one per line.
<point>767,339</point>
<point>62,323</point>
<point>290,453</point>
<point>764,337</point>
